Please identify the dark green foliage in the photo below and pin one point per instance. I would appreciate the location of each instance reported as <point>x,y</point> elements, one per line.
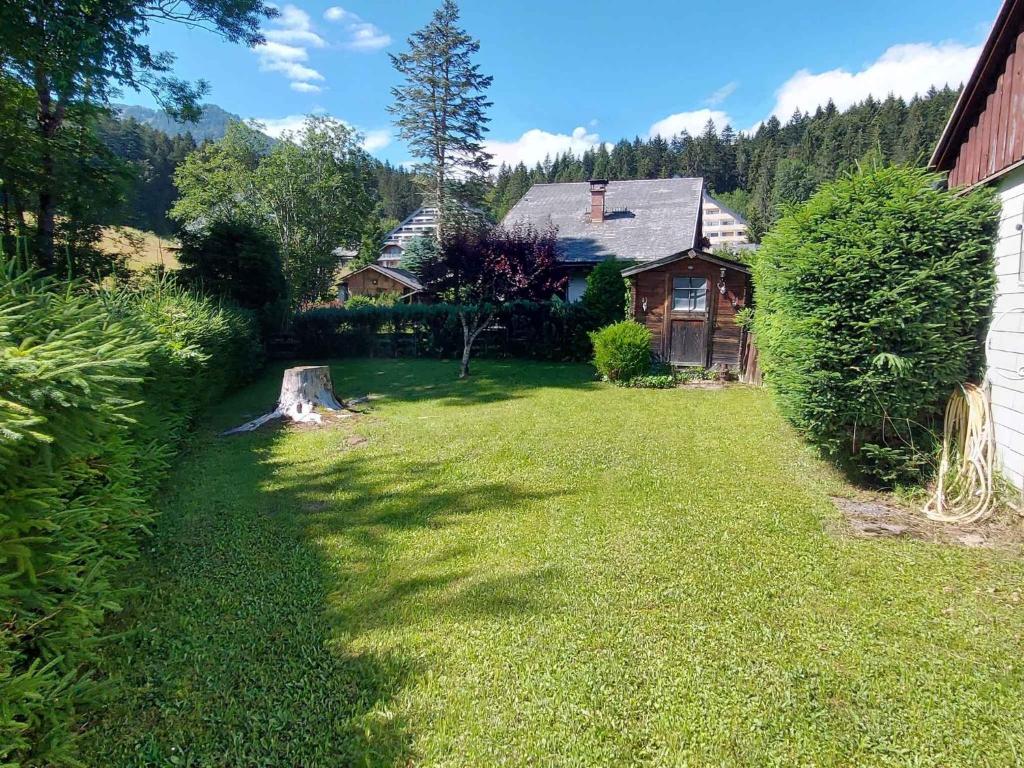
<point>95,392</point>
<point>606,292</point>
<point>151,156</point>
<point>420,254</point>
<point>873,299</point>
<point>622,351</point>
<point>522,329</point>
<point>237,261</point>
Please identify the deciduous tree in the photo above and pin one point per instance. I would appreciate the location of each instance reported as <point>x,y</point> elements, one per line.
<point>73,54</point>
<point>482,267</point>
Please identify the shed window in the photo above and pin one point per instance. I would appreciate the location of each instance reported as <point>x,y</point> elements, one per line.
<point>689,294</point>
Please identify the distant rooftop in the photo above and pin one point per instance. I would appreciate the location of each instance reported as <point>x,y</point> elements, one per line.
<point>644,220</point>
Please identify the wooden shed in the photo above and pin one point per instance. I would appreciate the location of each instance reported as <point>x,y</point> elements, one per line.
<point>376,280</point>
<point>689,301</point>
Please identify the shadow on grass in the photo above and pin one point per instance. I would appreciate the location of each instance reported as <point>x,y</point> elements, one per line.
<point>491,381</point>
<point>248,643</point>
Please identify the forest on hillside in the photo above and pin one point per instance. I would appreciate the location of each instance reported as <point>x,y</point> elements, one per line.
<point>756,174</point>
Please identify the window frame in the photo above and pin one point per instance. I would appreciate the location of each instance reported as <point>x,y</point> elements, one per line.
<point>692,292</point>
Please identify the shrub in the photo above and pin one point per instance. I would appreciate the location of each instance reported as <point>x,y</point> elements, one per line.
<point>535,330</point>
<point>622,351</point>
<point>652,381</point>
<point>359,300</point>
<point>872,301</point>
<point>605,296</point>
<point>94,391</point>
<point>239,262</point>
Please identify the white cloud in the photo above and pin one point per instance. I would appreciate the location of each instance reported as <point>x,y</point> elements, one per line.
<point>903,70</point>
<point>335,13</point>
<point>534,145</point>
<point>691,122</point>
<point>362,35</point>
<point>287,49</point>
<point>278,126</point>
<point>301,36</point>
<point>376,140</point>
<point>722,94</point>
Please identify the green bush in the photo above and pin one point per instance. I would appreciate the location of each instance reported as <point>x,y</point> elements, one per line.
<point>622,351</point>
<point>238,262</point>
<point>873,298</point>
<point>606,293</point>
<point>94,392</point>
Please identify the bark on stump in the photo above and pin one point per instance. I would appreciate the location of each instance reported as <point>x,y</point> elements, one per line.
<point>303,390</point>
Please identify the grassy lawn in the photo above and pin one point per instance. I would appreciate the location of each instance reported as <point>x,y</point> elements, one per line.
<point>530,568</point>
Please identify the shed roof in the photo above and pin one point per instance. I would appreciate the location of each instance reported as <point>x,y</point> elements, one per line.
<point>644,220</point>
<point>403,276</point>
<point>691,253</point>
<point>1001,41</point>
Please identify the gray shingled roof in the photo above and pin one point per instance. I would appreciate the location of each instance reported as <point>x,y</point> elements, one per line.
<point>644,220</point>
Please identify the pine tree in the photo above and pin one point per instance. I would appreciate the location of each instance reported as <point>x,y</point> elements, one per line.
<point>441,108</point>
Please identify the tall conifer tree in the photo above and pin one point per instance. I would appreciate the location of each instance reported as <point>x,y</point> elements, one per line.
<point>441,108</point>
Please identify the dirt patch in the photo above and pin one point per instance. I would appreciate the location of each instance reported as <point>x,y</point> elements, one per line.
<point>356,441</point>
<point>874,517</point>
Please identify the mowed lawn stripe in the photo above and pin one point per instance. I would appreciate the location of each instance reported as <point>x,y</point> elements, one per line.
<point>532,568</point>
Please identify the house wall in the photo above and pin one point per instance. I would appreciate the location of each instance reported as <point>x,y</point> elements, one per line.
<point>1005,350</point>
<point>655,286</point>
<point>362,284</point>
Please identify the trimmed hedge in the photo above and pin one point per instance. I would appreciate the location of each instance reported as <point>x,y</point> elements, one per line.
<point>872,304</point>
<point>622,352</point>
<point>95,392</point>
<point>538,330</point>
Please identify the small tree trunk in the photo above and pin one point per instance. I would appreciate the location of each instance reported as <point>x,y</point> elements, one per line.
<point>303,390</point>
<point>468,337</point>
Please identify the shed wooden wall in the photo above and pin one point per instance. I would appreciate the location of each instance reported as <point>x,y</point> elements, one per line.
<point>655,285</point>
<point>995,140</point>
<point>362,284</point>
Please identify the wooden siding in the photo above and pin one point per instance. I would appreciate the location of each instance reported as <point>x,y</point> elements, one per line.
<point>655,285</point>
<point>362,284</point>
<point>994,141</point>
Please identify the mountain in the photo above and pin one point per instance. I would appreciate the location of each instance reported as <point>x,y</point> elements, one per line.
<point>211,126</point>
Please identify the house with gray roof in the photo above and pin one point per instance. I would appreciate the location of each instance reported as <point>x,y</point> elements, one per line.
<point>633,221</point>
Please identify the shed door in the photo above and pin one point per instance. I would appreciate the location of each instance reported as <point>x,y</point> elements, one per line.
<point>688,331</point>
<point>688,342</point>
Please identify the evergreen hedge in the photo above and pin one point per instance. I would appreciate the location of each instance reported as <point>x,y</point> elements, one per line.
<point>550,330</point>
<point>873,299</point>
<point>95,392</point>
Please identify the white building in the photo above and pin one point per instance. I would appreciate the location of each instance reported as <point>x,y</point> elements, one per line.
<point>421,223</point>
<point>983,144</point>
<point>723,227</point>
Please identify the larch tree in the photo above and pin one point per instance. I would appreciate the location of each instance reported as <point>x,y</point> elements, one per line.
<point>73,55</point>
<point>441,108</point>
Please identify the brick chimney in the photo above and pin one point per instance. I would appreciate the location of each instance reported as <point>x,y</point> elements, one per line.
<point>597,190</point>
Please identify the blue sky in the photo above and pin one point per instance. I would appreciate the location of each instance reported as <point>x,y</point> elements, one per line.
<point>570,75</point>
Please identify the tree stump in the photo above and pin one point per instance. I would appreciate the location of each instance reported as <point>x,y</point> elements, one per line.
<point>303,390</point>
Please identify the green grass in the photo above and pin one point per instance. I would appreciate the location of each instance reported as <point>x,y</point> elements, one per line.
<point>530,568</point>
